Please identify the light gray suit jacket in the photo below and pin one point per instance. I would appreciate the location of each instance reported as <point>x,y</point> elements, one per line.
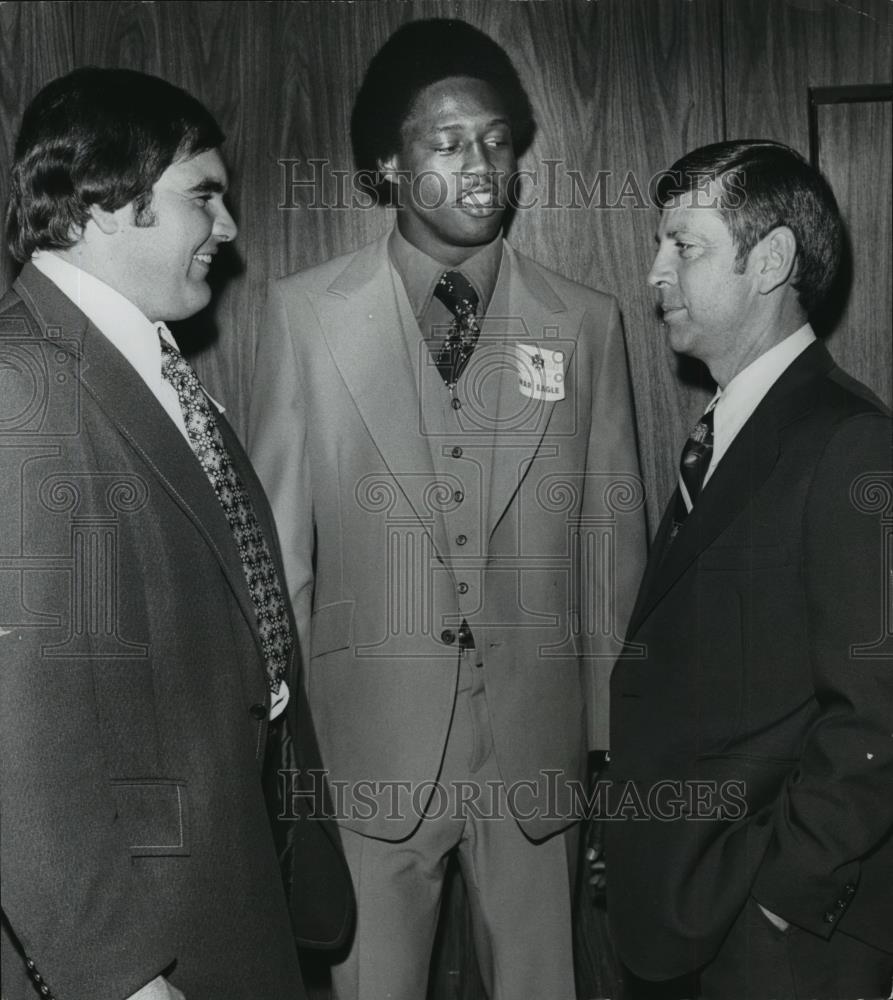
<point>341,440</point>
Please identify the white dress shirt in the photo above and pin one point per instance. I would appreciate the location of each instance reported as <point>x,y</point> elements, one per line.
<point>136,337</point>
<point>734,405</point>
<point>120,322</point>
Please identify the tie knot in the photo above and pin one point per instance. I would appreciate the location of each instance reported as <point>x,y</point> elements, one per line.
<point>167,348</point>
<point>455,291</point>
<point>703,429</point>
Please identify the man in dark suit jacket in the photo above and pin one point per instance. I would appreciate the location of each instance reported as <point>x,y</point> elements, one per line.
<point>145,646</point>
<point>752,747</point>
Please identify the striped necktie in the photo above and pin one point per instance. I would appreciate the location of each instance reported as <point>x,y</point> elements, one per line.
<point>693,466</point>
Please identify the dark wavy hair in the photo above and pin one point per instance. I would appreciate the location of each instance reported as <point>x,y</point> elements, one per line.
<point>97,137</point>
<point>415,56</point>
<point>763,185</point>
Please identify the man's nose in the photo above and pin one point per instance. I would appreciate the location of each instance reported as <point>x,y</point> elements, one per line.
<point>225,228</point>
<point>477,159</point>
<point>661,272</point>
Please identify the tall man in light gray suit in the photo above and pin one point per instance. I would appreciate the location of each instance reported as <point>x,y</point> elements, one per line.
<point>445,430</point>
<point>148,657</point>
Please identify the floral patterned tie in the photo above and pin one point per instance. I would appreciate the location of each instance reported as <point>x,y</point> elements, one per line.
<point>257,563</point>
<point>455,292</point>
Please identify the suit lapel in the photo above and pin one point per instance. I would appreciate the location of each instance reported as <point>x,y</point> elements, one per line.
<point>525,309</point>
<point>737,479</point>
<point>360,317</point>
<point>646,587</point>
<point>138,416</point>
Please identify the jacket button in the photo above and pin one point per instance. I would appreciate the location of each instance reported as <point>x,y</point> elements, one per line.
<point>461,539</point>
<point>458,496</point>
<point>829,917</point>
<point>462,588</point>
<point>448,636</point>
<point>456,452</point>
<point>258,711</point>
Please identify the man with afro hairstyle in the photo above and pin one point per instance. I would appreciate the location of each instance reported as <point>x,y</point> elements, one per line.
<point>445,430</point>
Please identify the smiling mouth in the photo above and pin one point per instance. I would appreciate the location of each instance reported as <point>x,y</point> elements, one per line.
<point>481,201</point>
<point>203,258</point>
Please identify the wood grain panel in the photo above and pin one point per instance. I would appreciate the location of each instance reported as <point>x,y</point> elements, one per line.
<point>623,89</point>
<point>855,150</point>
<point>36,46</point>
<point>776,49</point>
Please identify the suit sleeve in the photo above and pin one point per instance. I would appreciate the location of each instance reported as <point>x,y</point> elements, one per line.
<point>837,806</point>
<point>277,444</point>
<point>613,489</point>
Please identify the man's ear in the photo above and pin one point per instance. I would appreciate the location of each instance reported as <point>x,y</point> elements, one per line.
<point>774,258</point>
<point>388,169</point>
<point>107,222</point>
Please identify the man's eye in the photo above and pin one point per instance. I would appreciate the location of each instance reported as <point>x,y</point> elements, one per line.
<point>682,246</point>
<point>451,148</point>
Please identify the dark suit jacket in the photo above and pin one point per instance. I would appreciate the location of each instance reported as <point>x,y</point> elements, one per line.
<point>135,836</point>
<point>766,675</point>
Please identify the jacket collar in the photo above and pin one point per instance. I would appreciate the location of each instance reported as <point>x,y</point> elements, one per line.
<point>136,414</point>
<point>737,478</point>
<point>358,313</point>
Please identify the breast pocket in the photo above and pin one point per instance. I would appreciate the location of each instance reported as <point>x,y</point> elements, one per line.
<point>331,628</point>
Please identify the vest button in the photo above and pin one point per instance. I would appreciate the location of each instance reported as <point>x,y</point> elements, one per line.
<point>462,588</point>
<point>456,452</point>
<point>456,404</point>
<point>448,636</point>
<point>461,539</point>
<point>258,711</point>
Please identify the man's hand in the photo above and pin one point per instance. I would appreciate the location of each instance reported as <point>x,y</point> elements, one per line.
<point>776,921</point>
<point>594,857</point>
<point>595,861</point>
<point>158,989</point>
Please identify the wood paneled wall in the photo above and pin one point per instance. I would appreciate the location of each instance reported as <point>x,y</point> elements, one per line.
<point>621,87</point>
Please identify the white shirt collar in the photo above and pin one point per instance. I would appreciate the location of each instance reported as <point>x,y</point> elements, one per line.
<point>735,404</point>
<point>115,316</point>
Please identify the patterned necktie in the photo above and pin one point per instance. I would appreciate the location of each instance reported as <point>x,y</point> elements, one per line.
<point>257,563</point>
<point>693,466</point>
<point>455,292</point>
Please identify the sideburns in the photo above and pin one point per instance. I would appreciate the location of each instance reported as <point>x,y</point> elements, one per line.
<point>143,216</point>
